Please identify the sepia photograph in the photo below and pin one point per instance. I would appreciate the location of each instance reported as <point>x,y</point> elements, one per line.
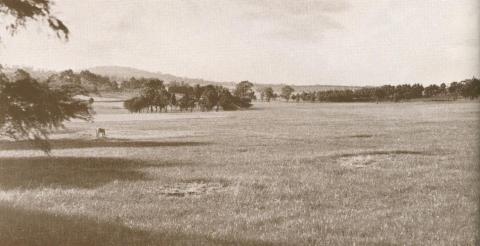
<point>239,122</point>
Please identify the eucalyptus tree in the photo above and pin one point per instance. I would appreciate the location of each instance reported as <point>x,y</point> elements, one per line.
<point>209,98</point>
<point>286,92</point>
<point>244,89</point>
<point>30,110</point>
<point>18,13</point>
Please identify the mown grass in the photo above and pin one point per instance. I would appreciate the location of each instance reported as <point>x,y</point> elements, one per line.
<point>282,173</point>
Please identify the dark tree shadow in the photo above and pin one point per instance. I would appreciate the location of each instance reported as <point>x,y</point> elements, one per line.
<point>26,227</point>
<point>253,108</point>
<point>70,172</point>
<point>95,143</point>
<point>385,152</point>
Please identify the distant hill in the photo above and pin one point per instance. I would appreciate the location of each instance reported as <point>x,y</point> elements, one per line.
<point>120,73</point>
<point>124,73</point>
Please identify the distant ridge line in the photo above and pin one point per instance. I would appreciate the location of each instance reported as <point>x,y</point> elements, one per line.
<point>121,73</point>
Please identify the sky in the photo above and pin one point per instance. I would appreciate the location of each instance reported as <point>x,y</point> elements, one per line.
<point>334,42</point>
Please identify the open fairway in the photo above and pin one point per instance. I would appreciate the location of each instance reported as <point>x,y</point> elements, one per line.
<point>281,173</point>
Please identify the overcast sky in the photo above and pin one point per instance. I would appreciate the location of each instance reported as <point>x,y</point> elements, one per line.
<point>351,42</point>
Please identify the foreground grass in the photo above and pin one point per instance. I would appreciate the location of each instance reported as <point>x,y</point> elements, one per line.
<point>331,174</point>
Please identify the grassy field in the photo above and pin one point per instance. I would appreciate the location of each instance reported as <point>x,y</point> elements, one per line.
<point>290,174</point>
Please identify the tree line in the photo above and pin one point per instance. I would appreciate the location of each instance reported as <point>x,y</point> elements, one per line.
<point>155,96</point>
<point>469,88</point>
<point>189,97</point>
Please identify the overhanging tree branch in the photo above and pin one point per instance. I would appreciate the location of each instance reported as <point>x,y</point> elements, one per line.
<point>22,11</point>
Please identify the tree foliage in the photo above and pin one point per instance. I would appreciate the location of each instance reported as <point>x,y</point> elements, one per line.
<point>30,110</point>
<point>470,88</point>
<point>91,82</point>
<point>209,98</point>
<point>286,92</point>
<point>267,94</point>
<point>244,89</point>
<point>19,12</point>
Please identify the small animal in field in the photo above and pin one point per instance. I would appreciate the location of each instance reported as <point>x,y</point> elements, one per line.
<point>101,132</point>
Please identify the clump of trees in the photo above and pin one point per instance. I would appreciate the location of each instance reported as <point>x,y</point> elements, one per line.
<point>134,83</point>
<point>267,94</point>
<point>155,96</point>
<point>244,89</point>
<point>90,82</point>
<point>81,83</point>
<point>469,88</point>
<point>30,110</point>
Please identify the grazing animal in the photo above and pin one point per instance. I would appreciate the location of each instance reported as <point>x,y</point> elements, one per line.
<point>101,132</point>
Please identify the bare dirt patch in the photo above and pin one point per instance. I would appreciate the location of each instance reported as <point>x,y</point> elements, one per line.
<point>358,161</point>
<point>190,189</point>
<point>371,158</point>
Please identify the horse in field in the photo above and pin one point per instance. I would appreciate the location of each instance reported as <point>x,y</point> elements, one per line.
<point>101,132</point>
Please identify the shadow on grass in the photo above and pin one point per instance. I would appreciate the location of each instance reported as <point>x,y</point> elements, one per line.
<point>360,136</point>
<point>25,227</point>
<point>70,172</point>
<point>385,152</point>
<point>95,143</point>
